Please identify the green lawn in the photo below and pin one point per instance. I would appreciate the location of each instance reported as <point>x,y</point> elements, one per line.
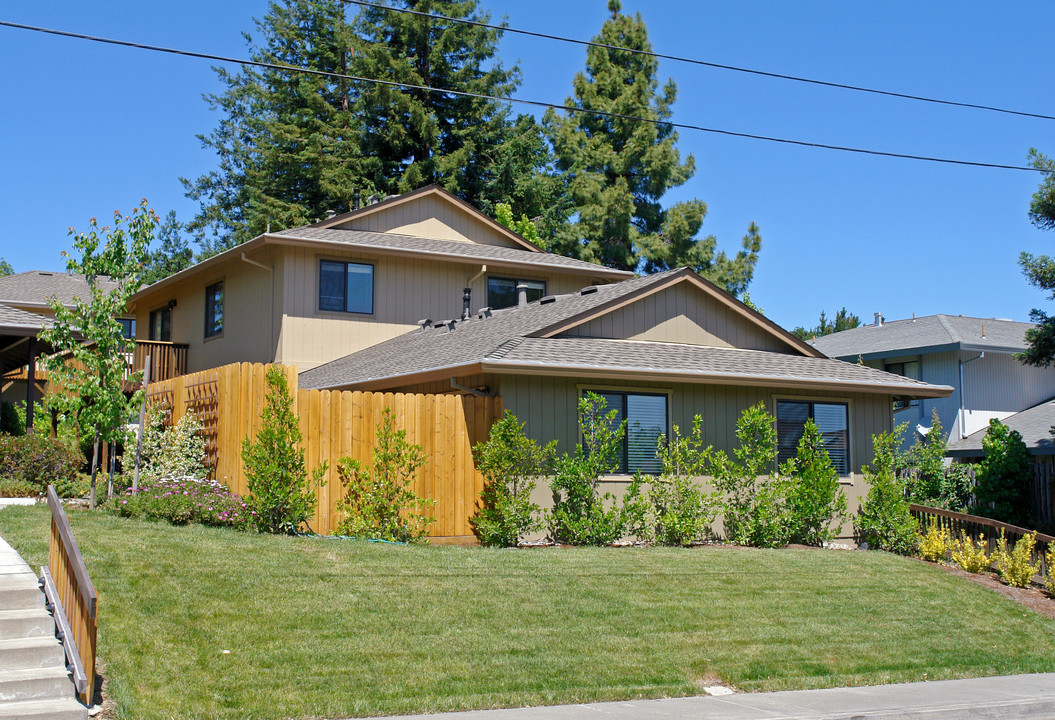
<point>329,628</point>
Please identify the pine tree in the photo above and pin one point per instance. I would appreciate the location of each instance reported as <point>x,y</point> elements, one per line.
<point>173,254</point>
<point>1040,269</point>
<point>844,320</point>
<point>619,169</point>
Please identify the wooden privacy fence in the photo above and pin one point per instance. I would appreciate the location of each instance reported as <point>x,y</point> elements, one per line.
<point>336,424</point>
<point>72,600</point>
<point>977,527</point>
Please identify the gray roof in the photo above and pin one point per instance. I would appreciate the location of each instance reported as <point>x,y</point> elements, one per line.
<point>14,321</point>
<point>510,338</point>
<point>366,240</point>
<point>1034,425</point>
<point>34,288</point>
<point>932,333</point>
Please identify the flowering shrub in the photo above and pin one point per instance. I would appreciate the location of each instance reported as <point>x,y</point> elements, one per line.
<point>173,451</point>
<point>182,500</point>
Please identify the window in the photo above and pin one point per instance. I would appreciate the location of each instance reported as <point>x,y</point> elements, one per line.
<point>128,327</point>
<point>161,324</point>
<point>346,287</point>
<point>646,416</point>
<point>214,310</point>
<point>502,292</point>
<point>908,369</point>
<point>831,420</point>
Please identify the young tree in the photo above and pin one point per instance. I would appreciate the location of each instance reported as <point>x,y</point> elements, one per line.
<point>844,320</point>
<point>173,254</point>
<point>618,170</point>
<point>89,369</point>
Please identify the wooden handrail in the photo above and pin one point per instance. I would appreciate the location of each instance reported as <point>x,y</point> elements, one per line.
<point>979,520</point>
<point>76,598</point>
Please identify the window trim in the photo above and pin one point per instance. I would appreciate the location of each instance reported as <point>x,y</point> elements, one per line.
<point>223,301</point>
<point>150,322</point>
<point>851,451</point>
<point>516,281</point>
<point>666,393</point>
<point>320,259</point>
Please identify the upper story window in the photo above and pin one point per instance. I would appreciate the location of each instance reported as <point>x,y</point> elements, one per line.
<point>830,418</point>
<point>909,369</point>
<point>214,310</point>
<point>161,324</point>
<point>128,327</point>
<point>346,287</point>
<point>646,416</point>
<point>502,292</point>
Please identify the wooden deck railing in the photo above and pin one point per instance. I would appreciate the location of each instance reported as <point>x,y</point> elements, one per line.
<point>167,360</point>
<point>72,599</point>
<point>977,527</point>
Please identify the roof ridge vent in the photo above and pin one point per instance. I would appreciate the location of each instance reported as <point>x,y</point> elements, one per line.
<point>588,290</point>
<point>547,300</point>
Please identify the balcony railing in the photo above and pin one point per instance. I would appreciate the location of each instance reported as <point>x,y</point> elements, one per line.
<point>167,360</point>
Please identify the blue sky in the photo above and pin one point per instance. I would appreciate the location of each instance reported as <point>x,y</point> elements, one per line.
<point>88,129</point>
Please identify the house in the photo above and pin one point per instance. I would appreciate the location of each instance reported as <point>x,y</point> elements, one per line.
<point>1033,424</point>
<point>975,356</point>
<point>313,294</point>
<point>660,349</point>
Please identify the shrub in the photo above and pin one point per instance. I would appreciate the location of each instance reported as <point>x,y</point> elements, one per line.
<point>935,545</point>
<point>1015,567</point>
<point>378,504</point>
<point>971,556</point>
<point>18,488</point>
<point>815,503</point>
<point>182,500</point>
<point>1049,562</point>
<point>9,421</point>
<point>673,509</point>
<point>884,520</point>
<point>283,497</point>
<point>38,460</point>
<point>174,451</point>
<point>1003,476</point>
<point>580,514</point>
<point>509,461</point>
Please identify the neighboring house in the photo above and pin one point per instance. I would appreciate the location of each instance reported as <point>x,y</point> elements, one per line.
<point>1034,425</point>
<point>661,349</point>
<point>975,356</point>
<point>309,295</point>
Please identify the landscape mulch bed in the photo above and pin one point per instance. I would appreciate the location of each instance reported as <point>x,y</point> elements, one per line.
<point>1033,597</point>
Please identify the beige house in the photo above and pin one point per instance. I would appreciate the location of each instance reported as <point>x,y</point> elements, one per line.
<point>313,294</point>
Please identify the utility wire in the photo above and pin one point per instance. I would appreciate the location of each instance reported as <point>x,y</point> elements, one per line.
<point>692,61</point>
<point>532,103</point>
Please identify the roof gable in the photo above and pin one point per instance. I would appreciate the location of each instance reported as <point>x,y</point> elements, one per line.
<point>430,212</point>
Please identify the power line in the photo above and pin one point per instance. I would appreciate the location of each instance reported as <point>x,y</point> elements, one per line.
<point>704,63</point>
<point>532,103</point>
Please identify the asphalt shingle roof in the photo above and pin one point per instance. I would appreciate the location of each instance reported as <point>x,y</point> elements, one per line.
<point>37,286</point>
<point>506,338</point>
<point>12,318</point>
<point>483,253</point>
<point>932,331</point>
<point>1034,425</point>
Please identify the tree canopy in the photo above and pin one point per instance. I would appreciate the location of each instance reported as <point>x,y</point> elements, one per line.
<point>1040,269</point>
<point>5,268</point>
<point>844,320</point>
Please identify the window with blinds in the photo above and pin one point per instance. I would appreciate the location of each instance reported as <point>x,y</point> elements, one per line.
<point>832,422</point>
<point>646,416</point>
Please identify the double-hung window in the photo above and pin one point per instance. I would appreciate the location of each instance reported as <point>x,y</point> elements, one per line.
<point>214,310</point>
<point>646,421</point>
<point>346,287</point>
<point>831,420</point>
<point>502,292</point>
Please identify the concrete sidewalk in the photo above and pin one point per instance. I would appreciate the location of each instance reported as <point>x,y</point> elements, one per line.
<point>1015,697</point>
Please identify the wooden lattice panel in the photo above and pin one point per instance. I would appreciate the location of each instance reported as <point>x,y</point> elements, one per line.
<point>161,399</point>
<point>203,400</point>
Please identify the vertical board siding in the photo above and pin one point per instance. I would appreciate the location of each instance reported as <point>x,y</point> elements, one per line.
<point>344,424</point>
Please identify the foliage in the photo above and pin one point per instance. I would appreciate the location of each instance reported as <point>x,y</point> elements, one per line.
<point>674,509</point>
<point>378,502</point>
<point>282,495</point>
<point>844,320</point>
<point>175,451</point>
<point>5,268</point>
<point>38,460</point>
<point>1040,270</point>
<point>10,424</point>
<point>816,505</point>
<point>18,488</point>
<point>972,556</point>
<point>173,253</point>
<point>580,514</point>
<point>1049,563</point>
<point>619,170</point>
<point>522,226</point>
<point>884,520</point>
<point>1015,567</point>
<point>1003,476</point>
<point>936,544</point>
<point>182,500</point>
<point>509,461</point>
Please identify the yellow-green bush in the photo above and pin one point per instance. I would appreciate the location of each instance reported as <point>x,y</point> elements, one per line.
<point>971,556</point>
<point>1015,567</point>
<point>935,545</point>
<point>1049,560</point>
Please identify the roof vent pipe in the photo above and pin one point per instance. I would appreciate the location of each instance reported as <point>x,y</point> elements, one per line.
<point>355,199</point>
<point>878,322</point>
<point>330,214</point>
<point>467,297</point>
<point>522,295</point>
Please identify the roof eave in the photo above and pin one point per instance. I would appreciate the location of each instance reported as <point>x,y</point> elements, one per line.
<point>411,378</point>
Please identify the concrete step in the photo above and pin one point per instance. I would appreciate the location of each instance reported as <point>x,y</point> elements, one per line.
<point>26,653</point>
<point>36,622</point>
<point>52,683</point>
<point>20,591</point>
<point>51,709</point>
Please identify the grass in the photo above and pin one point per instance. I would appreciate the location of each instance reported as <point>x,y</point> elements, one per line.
<point>327,628</point>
